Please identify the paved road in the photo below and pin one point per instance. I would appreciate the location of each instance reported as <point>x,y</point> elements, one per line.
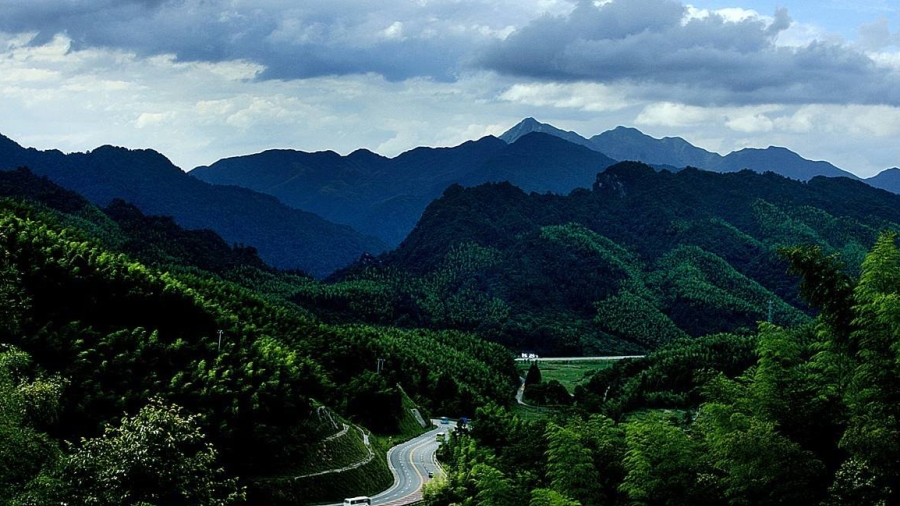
<point>410,463</point>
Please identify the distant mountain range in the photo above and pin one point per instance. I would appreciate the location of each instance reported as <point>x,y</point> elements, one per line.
<point>285,237</point>
<point>886,180</point>
<point>624,143</point>
<point>329,209</point>
<point>385,197</point>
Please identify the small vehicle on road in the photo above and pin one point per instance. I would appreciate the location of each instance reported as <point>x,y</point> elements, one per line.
<point>358,500</point>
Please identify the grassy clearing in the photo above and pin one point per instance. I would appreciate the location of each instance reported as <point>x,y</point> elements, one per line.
<point>570,374</point>
<point>532,413</point>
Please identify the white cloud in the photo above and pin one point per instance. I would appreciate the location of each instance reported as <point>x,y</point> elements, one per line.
<point>591,97</point>
<point>153,119</point>
<point>394,32</point>
<point>201,80</point>
<point>728,14</point>
<point>671,114</point>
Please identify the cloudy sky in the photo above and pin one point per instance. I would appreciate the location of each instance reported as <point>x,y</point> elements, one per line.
<point>200,80</point>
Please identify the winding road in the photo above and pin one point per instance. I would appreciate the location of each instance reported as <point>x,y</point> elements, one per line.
<point>410,463</point>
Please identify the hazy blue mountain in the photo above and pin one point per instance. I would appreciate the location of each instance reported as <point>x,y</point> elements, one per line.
<point>622,143</point>
<point>386,196</point>
<point>285,237</point>
<point>888,179</point>
<point>780,161</point>
<point>531,125</point>
<point>540,162</point>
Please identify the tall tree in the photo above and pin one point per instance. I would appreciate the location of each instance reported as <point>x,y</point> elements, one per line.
<point>158,457</point>
<point>873,432</point>
<point>570,466</point>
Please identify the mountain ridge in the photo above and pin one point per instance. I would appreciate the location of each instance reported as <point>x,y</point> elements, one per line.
<point>628,143</point>
<point>556,273</point>
<point>386,196</point>
<point>285,237</point>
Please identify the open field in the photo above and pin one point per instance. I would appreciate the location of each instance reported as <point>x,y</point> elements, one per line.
<point>568,372</point>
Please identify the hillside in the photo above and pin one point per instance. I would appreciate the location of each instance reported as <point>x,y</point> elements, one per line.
<point>686,253</point>
<point>284,237</point>
<point>161,334</point>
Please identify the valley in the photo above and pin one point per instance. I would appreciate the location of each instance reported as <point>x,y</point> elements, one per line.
<point>166,340</point>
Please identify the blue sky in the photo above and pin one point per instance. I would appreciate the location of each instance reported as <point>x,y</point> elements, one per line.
<point>199,80</point>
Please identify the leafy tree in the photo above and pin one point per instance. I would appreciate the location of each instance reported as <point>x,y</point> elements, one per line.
<point>548,497</point>
<point>157,457</point>
<point>533,377</point>
<point>664,465</point>
<point>492,426</point>
<point>855,482</point>
<point>24,407</point>
<point>570,466</point>
<point>873,431</point>
<point>826,286</point>
<point>757,464</point>
<point>492,488</point>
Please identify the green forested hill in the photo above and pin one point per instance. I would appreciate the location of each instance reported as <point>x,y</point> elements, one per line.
<point>642,258</point>
<point>90,333</point>
<point>803,415</point>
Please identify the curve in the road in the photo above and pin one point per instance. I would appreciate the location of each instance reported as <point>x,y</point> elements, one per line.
<point>410,463</point>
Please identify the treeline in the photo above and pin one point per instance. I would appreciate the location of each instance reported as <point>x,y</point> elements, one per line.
<point>802,415</point>
<point>106,349</point>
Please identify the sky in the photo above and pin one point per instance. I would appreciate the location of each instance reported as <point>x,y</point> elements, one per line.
<point>201,80</point>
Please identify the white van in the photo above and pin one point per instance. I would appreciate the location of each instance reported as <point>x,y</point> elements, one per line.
<point>353,501</point>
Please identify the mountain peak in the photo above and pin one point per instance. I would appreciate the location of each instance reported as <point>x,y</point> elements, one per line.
<point>530,125</point>
<point>888,179</point>
<point>629,130</point>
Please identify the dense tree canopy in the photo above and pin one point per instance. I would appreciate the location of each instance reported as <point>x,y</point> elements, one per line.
<point>784,415</point>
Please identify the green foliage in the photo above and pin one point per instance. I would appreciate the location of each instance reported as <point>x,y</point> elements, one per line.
<point>700,283</point>
<point>549,497</point>
<point>550,393</point>
<point>369,478</point>
<point>664,465</point>
<point>534,375</point>
<point>671,377</point>
<point>826,286</point>
<point>157,457</point>
<point>873,433</point>
<point>644,258</point>
<point>803,415</point>
<point>246,363</point>
<point>570,467</point>
<point>25,407</point>
<point>637,320</point>
<point>758,465</point>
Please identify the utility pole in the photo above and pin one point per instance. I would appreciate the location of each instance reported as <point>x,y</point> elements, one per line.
<point>379,365</point>
<point>220,340</point>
